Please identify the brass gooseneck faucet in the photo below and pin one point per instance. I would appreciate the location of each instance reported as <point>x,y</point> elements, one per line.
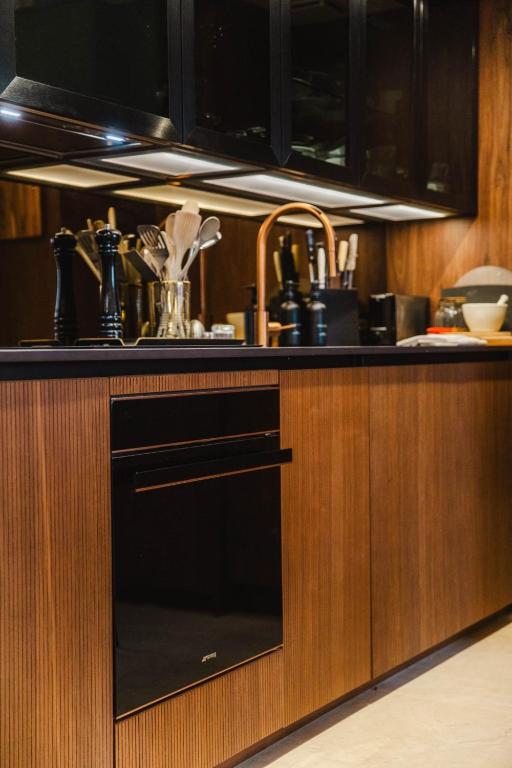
<point>261,259</point>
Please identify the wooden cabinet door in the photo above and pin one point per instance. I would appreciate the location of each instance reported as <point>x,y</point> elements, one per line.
<point>441,491</point>
<point>56,708</point>
<point>326,569</point>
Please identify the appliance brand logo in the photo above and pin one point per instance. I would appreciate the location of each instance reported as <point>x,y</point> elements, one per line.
<point>209,657</point>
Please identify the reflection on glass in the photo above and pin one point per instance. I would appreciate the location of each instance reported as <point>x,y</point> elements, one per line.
<point>115,51</point>
<point>320,66</point>
<point>449,94</point>
<point>389,89</point>
<point>232,67</point>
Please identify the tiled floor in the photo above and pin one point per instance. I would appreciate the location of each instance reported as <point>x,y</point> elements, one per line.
<point>451,710</point>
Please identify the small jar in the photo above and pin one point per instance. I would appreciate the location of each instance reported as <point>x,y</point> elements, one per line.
<point>449,313</point>
<point>223,331</point>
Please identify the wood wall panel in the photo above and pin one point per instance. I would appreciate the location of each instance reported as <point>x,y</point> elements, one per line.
<point>424,258</point>
<point>441,490</point>
<point>208,724</point>
<point>180,382</point>
<point>55,584</point>
<point>326,559</point>
<point>20,211</point>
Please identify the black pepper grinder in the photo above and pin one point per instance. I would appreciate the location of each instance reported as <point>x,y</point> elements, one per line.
<point>108,240</point>
<point>64,316</point>
<point>290,315</point>
<point>249,314</point>
<point>316,325</point>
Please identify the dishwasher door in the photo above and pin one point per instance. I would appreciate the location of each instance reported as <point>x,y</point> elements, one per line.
<point>197,563</point>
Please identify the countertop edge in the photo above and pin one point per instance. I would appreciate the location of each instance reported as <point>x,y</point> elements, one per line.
<point>49,363</point>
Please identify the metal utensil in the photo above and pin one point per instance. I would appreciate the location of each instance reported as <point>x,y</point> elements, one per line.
<point>151,236</point>
<point>147,273</point>
<point>88,250</point>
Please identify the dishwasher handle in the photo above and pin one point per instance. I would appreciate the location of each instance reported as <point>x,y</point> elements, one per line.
<point>163,477</point>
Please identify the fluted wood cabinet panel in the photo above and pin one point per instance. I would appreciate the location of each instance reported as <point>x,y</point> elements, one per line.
<point>208,724</point>
<point>55,583</point>
<point>326,566</point>
<point>180,382</point>
<point>441,491</point>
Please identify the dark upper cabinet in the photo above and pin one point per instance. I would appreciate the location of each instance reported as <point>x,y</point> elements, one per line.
<point>388,121</point>
<point>102,62</point>
<point>319,87</point>
<point>231,70</point>
<point>450,102</point>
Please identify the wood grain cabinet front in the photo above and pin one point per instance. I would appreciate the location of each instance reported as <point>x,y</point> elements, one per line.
<point>441,491</point>
<point>326,557</point>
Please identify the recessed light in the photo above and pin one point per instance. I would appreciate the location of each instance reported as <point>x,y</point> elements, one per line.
<point>9,112</point>
<point>172,163</point>
<point>71,176</point>
<point>299,220</point>
<point>284,188</point>
<point>115,139</point>
<point>400,213</point>
<point>211,201</point>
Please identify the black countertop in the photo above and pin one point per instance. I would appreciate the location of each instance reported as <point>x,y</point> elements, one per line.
<point>72,362</point>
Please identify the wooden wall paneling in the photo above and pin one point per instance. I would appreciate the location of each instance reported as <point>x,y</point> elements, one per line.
<point>440,503</point>
<point>426,257</point>
<point>20,211</point>
<point>180,382</point>
<point>27,279</point>
<point>208,724</point>
<point>326,567</point>
<point>55,585</point>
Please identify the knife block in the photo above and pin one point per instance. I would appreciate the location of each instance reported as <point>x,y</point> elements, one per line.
<point>342,313</point>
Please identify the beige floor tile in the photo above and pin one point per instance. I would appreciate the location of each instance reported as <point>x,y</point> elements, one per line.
<point>447,711</point>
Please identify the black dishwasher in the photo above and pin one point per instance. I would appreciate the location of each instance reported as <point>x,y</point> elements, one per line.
<point>196,538</point>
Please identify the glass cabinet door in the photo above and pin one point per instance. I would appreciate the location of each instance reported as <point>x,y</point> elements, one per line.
<point>450,78</point>
<point>389,114</point>
<point>231,76</point>
<point>73,56</point>
<point>318,93</point>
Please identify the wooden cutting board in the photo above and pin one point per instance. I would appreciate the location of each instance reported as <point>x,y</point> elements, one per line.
<point>494,339</point>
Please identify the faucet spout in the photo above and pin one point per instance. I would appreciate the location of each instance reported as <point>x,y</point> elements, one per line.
<point>261,258</point>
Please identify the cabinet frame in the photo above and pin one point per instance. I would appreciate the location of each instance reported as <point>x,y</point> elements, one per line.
<point>217,141</point>
<point>78,107</point>
<point>466,201</point>
<point>351,173</point>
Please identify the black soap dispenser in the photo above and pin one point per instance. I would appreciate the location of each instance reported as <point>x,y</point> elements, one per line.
<point>290,315</point>
<point>316,322</point>
<point>64,317</point>
<point>108,240</point>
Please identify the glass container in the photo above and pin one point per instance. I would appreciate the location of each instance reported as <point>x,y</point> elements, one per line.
<point>175,310</point>
<point>449,313</point>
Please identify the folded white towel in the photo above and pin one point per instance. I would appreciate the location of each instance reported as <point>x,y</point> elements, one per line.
<point>442,340</point>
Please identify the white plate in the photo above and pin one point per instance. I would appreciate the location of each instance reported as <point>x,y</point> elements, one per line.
<point>486,276</point>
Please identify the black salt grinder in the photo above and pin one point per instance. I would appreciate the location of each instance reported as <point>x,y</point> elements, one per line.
<point>64,316</point>
<point>111,327</point>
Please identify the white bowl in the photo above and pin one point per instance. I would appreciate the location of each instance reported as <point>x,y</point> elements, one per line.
<point>485,318</point>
